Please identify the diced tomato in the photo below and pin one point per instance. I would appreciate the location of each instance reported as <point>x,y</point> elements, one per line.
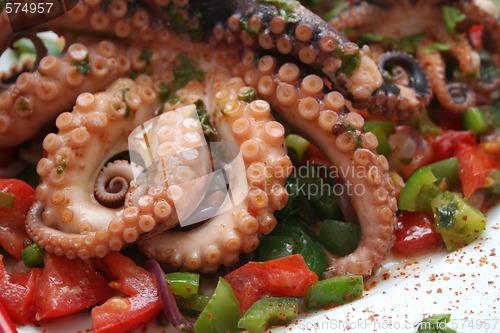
<point>18,293</point>
<point>315,156</point>
<point>67,286</point>
<point>476,35</point>
<point>6,324</point>
<point>13,234</point>
<point>415,234</point>
<point>123,314</point>
<point>447,119</point>
<point>474,165</point>
<point>287,276</point>
<point>446,144</point>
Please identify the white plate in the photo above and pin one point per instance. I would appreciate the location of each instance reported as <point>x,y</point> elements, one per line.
<point>463,283</point>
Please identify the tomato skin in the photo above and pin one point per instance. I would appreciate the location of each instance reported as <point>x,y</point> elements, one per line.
<point>18,293</point>
<point>315,156</point>
<point>119,314</point>
<point>67,286</point>
<point>446,144</point>
<point>415,234</point>
<point>476,35</point>
<point>13,234</point>
<point>474,165</point>
<point>287,276</point>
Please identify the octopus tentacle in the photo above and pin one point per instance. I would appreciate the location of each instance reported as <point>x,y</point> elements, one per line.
<point>486,13</point>
<point>313,42</point>
<point>112,183</point>
<point>67,220</point>
<point>339,135</point>
<point>456,97</point>
<point>360,13</point>
<point>222,238</point>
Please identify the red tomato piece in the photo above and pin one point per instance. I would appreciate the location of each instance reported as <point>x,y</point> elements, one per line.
<point>474,165</point>
<point>446,144</point>
<point>415,234</point>
<point>476,35</point>
<point>123,314</point>
<point>447,119</point>
<point>287,276</point>
<point>67,286</point>
<point>17,294</point>
<point>315,156</point>
<point>6,324</point>
<point>12,220</point>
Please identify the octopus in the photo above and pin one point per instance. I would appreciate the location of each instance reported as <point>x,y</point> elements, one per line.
<point>439,28</point>
<point>160,79</point>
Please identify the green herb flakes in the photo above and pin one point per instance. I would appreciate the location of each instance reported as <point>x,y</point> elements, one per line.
<point>452,16</point>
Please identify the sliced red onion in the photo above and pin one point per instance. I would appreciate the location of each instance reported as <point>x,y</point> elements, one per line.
<point>170,307</point>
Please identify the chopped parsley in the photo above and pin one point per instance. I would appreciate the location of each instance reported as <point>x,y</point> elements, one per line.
<point>374,38</point>
<point>62,166</point>
<point>251,30</point>
<point>350,62</point>
<point>186,71</point>
<point>409,44</point>
<point>438,46</point>
<point>181,25</point>
<point>173,99</point>
<point>435,324</point>
<point>163,91</point>
<point>247,95</point>
<point>286,8</point>
<point>7,200</point>
<point>82,66</point>
<point>23,105</point>
<point>209,131</point>
<point>146,54</point>
<point>447,213</point>
<point>452,16</point>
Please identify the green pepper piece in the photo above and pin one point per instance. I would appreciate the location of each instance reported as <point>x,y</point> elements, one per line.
<point>411,190</point>
<point>381,129</point>
<point>475,120</point>
<point>269,311</point>
<point>274,247</point>
<point>7,200</point>
<point>340,238</point>
<point>194,303</point>
<point>183,284</point>
<point>446,169</point>
<point>33,256</point>
<point>222,312</point>
<point>386,126</point>
<point>334,291</point>
<point>297,146</point>
<point>419,190</point>
<point>458,222</point>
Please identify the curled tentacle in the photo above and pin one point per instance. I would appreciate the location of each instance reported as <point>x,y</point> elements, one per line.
<point>112,183</point>
<point>68,221</point>
<point>456,97</point>
<point>322,118</point>
<point>221,238</point>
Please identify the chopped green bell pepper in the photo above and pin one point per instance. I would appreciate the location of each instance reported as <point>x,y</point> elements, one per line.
<point>33,255</point>
<point>184,284</point>
<point>275,246</point>
<point>7,200</point>
<point>381,129</point>
<point>475,120</point>
<point>458,222</point>
<point>334,291</point>
<point>297,146</point>
<point>222,312</point>
<point>269,311</point>
<point>338,237</point>
<point>495,176</point>
<point>196,303</point>
<point>420,189</point>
